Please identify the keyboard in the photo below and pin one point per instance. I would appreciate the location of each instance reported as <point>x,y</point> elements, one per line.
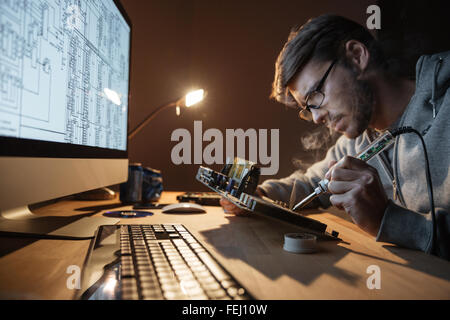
<point>154,262</point>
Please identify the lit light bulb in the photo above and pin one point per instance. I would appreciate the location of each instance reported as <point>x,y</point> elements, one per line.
<point>194,97</point>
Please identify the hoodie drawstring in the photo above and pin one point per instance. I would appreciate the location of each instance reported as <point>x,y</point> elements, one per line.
<point>433,89</point>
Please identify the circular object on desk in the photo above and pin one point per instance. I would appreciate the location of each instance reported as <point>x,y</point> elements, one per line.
<point>127,214</point>
<point>184,207</point>
<point>300,243</point>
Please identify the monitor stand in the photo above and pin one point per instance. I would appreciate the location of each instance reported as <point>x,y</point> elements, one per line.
<point>22,222</point>
<point>97,194</point>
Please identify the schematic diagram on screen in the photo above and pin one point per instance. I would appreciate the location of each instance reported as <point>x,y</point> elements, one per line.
<point>64,72</point>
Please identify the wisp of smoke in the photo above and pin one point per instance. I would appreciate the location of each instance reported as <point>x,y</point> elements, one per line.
<point>316,139</point>
<point>316,144</point>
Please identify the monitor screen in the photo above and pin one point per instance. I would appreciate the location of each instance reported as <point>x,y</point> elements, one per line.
<point>64,98</point>
<point>64,70</point>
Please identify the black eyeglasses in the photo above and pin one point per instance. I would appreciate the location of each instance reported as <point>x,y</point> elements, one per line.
<point>315,98</point>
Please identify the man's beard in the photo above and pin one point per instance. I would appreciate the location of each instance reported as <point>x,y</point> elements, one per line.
<point>362,104</point>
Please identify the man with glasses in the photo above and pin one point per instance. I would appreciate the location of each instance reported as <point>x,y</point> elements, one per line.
<point>315,97</point>
<point>335,73</point>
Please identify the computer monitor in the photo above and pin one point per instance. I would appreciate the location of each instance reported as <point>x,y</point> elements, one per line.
<point>64,95</point>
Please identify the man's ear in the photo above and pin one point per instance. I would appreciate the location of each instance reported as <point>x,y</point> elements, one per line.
<point>358,55</point>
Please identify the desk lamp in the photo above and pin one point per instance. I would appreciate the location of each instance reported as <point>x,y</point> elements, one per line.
<point>187,101</point>
<point>191,99</point>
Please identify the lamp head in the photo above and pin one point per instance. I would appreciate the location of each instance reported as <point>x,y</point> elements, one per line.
<point>192,98</point>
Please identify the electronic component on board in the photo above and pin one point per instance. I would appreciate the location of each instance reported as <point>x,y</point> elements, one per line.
<point>237,183</point>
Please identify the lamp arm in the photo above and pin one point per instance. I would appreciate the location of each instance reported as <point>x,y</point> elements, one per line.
<point>150,117</point>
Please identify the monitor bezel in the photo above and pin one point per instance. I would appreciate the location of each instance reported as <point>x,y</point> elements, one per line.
<point>19,147</point>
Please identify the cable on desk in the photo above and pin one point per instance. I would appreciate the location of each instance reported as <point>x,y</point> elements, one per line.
<point>41,236</point>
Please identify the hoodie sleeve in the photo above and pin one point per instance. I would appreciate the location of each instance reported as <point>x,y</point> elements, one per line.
<point>413,230</point>
<point>298,185</point>
<point>411,225</point>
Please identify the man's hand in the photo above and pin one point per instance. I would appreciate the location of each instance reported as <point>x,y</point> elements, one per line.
<point>229,207</point>
<point>357,189</point>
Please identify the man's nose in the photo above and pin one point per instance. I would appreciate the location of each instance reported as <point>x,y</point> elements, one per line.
<point>319,115</point>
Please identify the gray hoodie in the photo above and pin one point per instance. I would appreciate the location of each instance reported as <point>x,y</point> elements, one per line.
<point>407,220</point>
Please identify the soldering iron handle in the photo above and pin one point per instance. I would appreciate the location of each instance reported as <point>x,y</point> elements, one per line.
<point>380,144</point>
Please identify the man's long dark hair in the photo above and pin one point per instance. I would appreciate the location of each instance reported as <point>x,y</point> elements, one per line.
<point>321,39</point>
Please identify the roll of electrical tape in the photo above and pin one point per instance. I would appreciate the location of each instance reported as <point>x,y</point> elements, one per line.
<point>300,243</point>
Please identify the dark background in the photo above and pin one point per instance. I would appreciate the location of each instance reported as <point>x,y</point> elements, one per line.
<point>229,48</point>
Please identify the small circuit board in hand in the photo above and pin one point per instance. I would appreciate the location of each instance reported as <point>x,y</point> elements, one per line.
<point>237,183</point>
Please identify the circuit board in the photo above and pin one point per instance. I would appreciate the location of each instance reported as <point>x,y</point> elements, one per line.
<point>230,190</point>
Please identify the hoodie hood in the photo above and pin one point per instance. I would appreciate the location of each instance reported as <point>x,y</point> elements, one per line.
<point>433,80</point>
<point>432,83</point>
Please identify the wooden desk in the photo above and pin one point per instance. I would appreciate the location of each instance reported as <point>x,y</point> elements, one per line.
<point>251,248</point>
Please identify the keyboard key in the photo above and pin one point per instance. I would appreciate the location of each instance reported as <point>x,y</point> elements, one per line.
<point>170,287</point>
<point>143,268</point>
<point>159,259</point>
<point>173,255</point>
<point>127,272</point>
<point>150,278</point>
<point>183,272</point>
<point>212,286</point>
<point>161,264</point>
<point>186,277</point>
<point>190,284</point>
<point>142,257</point>
<point>177,263</point>
<point>126,260</point>
<point>199,269</point>
<point>175,295</point>
<point>201,296</point>
<point>208,280</point>
<point>164,268</point>
<point>216,294</point>
<point>202,274</point>
<point>151,295</point>
<point>180,267</point>
<point>150,285</point>
<point>128,284</point>
<point>189,256</point>
<point>194,263</point>
<point>194,291</point>
<point>147,272</point>
<point>215,269</point>
<point>165,273</point>
<point>130,295</point>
